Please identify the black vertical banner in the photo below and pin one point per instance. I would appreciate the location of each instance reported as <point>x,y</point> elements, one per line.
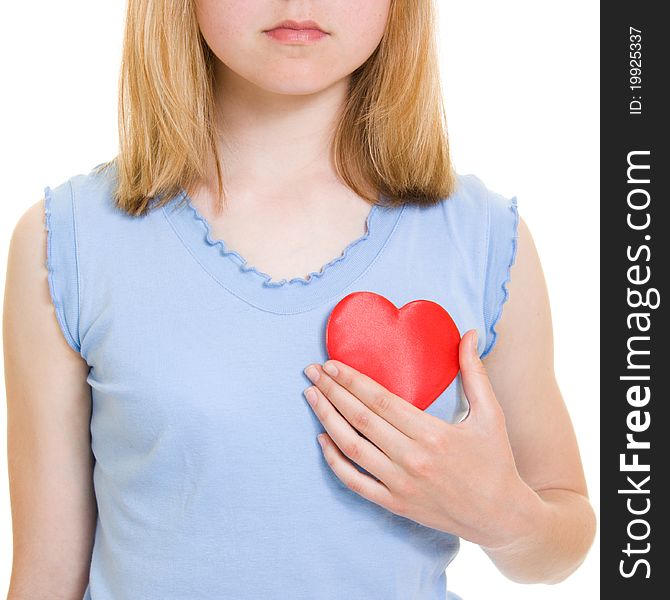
<point>635,347</point>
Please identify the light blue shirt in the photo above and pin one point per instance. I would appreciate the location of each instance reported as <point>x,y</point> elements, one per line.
<point>209,479</point>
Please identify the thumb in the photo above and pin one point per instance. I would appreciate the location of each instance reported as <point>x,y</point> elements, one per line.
<point>476,384</point>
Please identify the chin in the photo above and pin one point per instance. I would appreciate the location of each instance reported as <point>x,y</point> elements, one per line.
<point>294,84</point>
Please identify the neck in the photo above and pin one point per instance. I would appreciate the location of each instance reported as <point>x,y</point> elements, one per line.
<point>269,142</point>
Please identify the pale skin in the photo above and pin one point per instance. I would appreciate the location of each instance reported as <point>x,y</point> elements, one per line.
<point>514,460</point>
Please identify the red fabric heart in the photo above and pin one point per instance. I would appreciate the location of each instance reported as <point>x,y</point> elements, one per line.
<point>411,351</point>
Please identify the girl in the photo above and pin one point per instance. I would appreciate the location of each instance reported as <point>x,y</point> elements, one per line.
<point>166,310</point>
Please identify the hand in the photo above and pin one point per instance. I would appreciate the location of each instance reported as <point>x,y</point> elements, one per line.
<point>459,478</point>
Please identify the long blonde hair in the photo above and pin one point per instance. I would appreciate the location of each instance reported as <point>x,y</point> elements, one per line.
<point>391,137</point>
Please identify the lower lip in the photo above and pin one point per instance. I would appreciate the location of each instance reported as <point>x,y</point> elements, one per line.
<point>296,36</point>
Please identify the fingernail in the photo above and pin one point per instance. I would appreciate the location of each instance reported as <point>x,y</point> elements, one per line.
<point>330,368</point>
<point>312,373</point>
<point>310,394</point>
<point>474,345</point>
<point>320,440</point>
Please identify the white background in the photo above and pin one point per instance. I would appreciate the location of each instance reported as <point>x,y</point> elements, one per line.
<point>521,81</point>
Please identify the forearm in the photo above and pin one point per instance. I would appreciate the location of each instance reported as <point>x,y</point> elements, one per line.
<point>563,530</point>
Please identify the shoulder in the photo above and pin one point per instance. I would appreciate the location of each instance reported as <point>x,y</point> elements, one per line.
<point>484,221</point>
<point>44,253</point>
<point>87,193</point>
<point>29,290</point>
<point>515,293</point>
<point>473,210</point>
<point>25,256</point>
<point>498,212</point>
<point>472,192</point>
<point>525,325</point>
<point>487,223</point>
<point>28,230</point>
<point>83,207</point>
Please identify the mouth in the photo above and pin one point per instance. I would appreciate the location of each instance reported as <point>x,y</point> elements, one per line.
<point>297,25</point>
<point>296,32</point>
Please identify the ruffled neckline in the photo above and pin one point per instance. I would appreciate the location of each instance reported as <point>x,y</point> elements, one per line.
<point>231,270</point>
<point>264,278</point>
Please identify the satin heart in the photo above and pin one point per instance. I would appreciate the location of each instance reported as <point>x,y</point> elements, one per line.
<point>412,351</point>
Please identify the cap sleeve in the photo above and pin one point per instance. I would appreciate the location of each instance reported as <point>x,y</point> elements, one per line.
<point>62,260</point>
<point>502,235</point>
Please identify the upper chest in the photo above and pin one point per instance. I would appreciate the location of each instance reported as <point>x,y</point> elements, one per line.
<point>287,239</point>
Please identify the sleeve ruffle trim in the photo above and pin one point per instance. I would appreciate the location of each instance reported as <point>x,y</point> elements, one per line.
<point>505,292</point>
<point>53,271</point>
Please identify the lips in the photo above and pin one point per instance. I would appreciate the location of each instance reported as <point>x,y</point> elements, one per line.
<point>297,25</point>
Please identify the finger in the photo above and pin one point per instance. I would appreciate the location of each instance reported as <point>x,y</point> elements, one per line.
<point>391,441</point>
<point>475,380</point>
<point>403,415</point>
<point>351,477</point>
<point>357,448</point>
